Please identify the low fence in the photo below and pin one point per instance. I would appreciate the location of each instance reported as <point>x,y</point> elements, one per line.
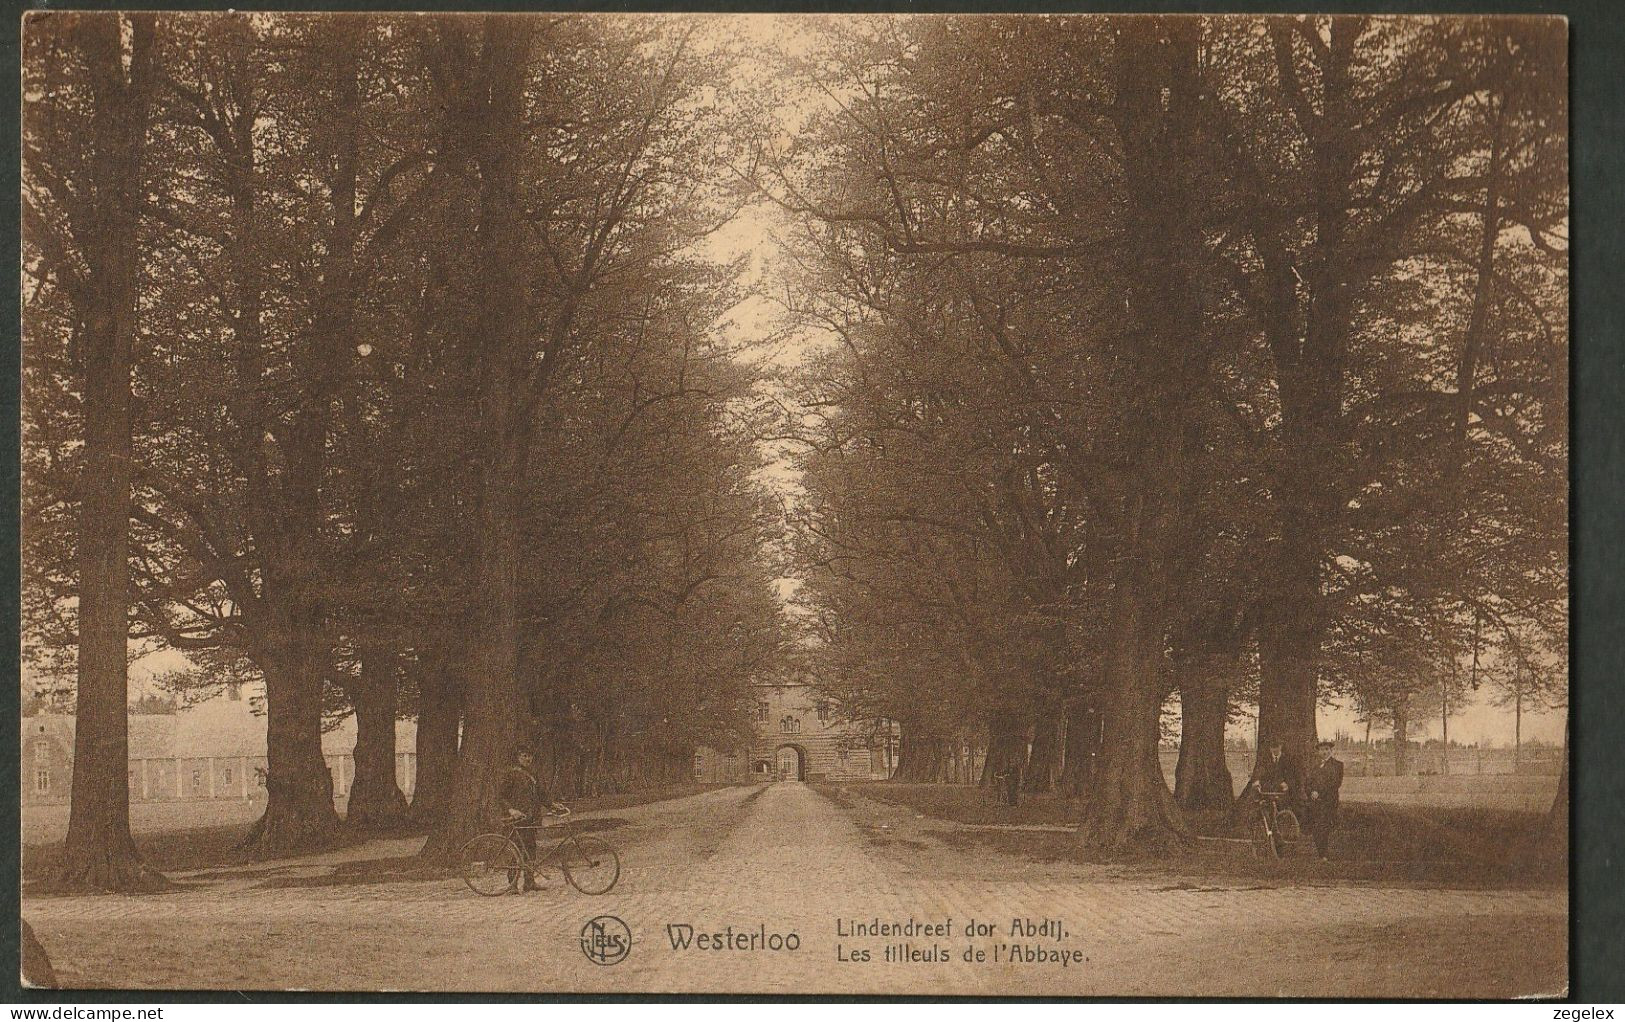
<point>1462,761</point>
<point>1483,779</point>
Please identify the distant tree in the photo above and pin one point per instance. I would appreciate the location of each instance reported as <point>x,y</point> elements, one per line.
<point>1527,686</point>
<point>152,703</point>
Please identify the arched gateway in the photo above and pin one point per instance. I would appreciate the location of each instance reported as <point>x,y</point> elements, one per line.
<point>790,762</point>
<point>800,734</point>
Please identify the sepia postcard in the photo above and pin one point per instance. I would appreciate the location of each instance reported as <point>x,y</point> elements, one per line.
<point>1001,505</point>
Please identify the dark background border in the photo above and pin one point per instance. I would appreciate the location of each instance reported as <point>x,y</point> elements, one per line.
<point>1596,467</point>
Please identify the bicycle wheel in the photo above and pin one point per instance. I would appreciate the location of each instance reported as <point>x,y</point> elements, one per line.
<point>490,864</point>
<point>1263,839</point>
<point>1286,825</point>
<point>589,863</point>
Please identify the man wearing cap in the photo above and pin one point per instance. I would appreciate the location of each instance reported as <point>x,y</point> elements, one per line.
<point>1323,783</point>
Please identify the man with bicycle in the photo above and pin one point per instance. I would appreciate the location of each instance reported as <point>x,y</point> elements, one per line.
<point>1277,772</point>
<point>523,805</point>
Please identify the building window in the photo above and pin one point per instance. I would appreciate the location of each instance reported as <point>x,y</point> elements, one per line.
<point>789,725</point>
<point>761,713</point>
<point>823,711</point>
<point>197,779</point>
<point>42,752</point>
<point>42,780</point>
<point>842,755</point>
<point>225,775</point>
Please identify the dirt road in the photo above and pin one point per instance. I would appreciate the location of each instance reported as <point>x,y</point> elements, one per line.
<point>757,870</point>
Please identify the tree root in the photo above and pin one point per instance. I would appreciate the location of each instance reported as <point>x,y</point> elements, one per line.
<point>287,830</point>
<point>108,870</point>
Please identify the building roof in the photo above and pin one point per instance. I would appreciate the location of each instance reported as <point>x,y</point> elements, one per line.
<point>58,726</point>
<point>219,727</point>
<point>152,735</point>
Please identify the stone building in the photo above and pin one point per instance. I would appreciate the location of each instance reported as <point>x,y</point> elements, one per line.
<point>214,750</point>
<point>798,734</point>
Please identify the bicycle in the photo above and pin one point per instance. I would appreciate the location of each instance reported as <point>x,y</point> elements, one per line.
<point>493,863</point>
<point>1274,828</point>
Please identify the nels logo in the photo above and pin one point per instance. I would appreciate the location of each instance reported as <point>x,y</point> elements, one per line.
<point>606,940</point>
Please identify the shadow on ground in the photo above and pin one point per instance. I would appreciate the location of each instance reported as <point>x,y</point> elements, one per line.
<point>364,872</point>
<point>404,869</point>
<point>216,848</point>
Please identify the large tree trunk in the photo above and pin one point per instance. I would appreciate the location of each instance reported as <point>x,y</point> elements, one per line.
<point>1082,748</point>
<point>1555,829</point>
<point>1044,763</point>
<point>1557,818</point>
<point>99,850</point>
<point>439,719</point>
<point>1288,656</point>
<point>288,625</point>
<point>1128,805</point>
<point>376,802</point>
<point>1006,749</point>
<point>1307,342</point>
<point>299,814</point>
<point>495,710</point>
<point>1154,111</point>
<point>1201,777</point>
<point>493,713</point>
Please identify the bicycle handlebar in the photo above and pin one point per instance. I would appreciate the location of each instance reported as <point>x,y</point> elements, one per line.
<point>535,823</point>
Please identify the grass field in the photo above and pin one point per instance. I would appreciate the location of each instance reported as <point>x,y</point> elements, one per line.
<point>1521,793</point>
<point>1486,838</point>
<point>48,824</point>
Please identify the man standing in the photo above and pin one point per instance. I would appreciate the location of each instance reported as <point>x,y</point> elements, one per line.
<point>1324,783</point>
<point>1010,779</point>
<point>523,803</point>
